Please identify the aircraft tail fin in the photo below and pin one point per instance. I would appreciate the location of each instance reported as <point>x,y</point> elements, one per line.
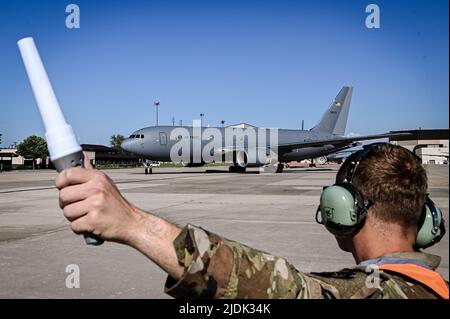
<point>334,120</point>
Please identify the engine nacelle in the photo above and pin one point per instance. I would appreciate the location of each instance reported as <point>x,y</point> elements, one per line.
<point>241,159</point>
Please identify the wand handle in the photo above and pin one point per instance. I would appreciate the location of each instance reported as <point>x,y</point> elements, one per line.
<point>74,160</point>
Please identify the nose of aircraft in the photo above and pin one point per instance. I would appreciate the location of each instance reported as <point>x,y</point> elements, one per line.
<point>126,145</point>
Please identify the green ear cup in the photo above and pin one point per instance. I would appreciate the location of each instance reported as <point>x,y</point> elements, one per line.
<point>429,229</point>
<point>337,206</point>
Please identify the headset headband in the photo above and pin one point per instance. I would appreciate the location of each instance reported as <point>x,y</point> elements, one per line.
<point>361,154</point>
<point>354,164</point>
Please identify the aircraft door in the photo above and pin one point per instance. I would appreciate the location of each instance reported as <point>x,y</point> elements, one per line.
<point>162,138</point>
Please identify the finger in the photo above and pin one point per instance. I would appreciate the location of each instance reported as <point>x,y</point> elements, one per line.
<point>74,175</point>
<point>81,225</point>
<point>74,193</point>
<point>87,163</point>
<point>76,210</point>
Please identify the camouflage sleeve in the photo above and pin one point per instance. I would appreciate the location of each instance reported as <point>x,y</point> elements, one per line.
<point>219,268</point>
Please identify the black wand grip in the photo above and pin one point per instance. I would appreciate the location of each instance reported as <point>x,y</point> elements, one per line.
<point>74,160</point>
<point>92,239</point>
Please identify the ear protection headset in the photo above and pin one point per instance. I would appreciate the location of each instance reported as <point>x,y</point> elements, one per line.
<point>343,208</point>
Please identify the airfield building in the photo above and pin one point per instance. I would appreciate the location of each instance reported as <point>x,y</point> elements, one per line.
<point>430,145</point>
<point>100,155</point>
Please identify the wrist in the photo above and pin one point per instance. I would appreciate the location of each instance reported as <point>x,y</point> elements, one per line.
<point>154,237</point>
<point>147,228</point>
<point>134,230</point>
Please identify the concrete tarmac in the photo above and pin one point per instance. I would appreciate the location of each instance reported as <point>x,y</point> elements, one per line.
<point>271,212</point>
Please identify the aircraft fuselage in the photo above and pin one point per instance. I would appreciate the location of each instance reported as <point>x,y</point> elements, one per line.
<point>155,143</point>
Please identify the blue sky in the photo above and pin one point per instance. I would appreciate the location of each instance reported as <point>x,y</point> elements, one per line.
<point>268,63</point>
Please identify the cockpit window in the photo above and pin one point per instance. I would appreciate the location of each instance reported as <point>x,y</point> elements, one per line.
<point>132,136</point>
<point>142,135</point>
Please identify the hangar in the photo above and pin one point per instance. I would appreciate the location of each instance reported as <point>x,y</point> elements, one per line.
<point>8,158</point>
<point>430,145</point>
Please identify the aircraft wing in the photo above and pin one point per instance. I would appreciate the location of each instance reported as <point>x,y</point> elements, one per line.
<point>335,141</point>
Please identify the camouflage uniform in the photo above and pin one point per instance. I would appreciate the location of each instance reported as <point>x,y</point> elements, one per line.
<point>219,268</point>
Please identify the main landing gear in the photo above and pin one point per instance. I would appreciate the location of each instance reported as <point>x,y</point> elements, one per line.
<point>280,168</point>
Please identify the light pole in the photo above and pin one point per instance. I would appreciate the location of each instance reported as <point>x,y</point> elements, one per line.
<point>201,119</point>
<point>156,105</point>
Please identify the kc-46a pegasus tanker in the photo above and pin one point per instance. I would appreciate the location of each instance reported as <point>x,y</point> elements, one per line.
<point>249,146</point>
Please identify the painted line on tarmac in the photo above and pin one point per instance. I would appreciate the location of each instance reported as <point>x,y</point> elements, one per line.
<point>28,189</point>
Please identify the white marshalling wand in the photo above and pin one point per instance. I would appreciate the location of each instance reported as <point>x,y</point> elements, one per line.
<point>64,149</point>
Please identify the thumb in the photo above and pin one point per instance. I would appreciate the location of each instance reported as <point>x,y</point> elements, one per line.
<point>87,162</point>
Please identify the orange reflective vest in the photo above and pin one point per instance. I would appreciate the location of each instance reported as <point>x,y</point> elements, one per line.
<point>427,277</point>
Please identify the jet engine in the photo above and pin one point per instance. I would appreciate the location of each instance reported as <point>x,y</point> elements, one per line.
<point>241,159</point>
<point>322,160</point>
